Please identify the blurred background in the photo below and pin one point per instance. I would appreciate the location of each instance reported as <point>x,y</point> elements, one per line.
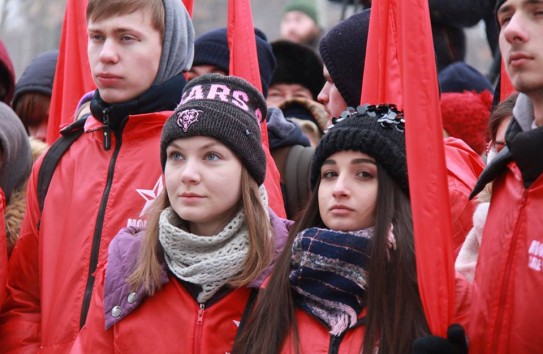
<point>30,27</point>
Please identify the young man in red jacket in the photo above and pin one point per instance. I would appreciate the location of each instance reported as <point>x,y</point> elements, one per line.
<point>137,50</point>
<point>506,310</point>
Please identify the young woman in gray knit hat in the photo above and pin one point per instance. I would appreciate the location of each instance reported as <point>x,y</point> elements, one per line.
<point>346,281</point>
<point>184,283</point>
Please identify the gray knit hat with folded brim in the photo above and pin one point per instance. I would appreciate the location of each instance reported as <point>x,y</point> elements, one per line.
<point>17,155</point>
<point>374,130</point>
<point>225,108</point>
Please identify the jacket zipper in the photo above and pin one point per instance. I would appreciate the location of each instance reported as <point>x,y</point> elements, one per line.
<point>497,333</point>
<point>199,329</point>
<point>107,130</point>
<point>97,237</point>
<point>335,342</point>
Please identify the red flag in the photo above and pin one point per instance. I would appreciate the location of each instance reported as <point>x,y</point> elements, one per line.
<point>400,68</point>
<point>3,249</point>
<point>73,77</point>
<point>506,88</point>
<point>244,64</point>
<point>189,6</point>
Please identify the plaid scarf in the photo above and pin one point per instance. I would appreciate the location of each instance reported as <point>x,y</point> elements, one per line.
<point>328,274</point>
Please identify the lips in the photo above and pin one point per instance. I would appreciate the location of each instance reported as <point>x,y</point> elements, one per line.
<point>107,79</point>
<point>191,195</point>
<point>518,58</point>
<point>340,208</point>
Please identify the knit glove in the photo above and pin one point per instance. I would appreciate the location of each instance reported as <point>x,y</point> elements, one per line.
<point>455,343</point>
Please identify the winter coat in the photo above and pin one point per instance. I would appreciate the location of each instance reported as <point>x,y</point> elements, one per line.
<point>315,338</point>
<point>3,249</point>
<point>506,310</point>
<point>169,321</point>
<point>463,168</point>
<point>94,192</point>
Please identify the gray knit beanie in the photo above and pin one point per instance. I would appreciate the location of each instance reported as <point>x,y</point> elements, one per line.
<point>374,130</point>
<point>17,156</point>
<point>178,43</point>
<point>225,108</point>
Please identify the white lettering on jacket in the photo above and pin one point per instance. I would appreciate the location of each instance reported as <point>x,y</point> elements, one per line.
<point>535,256</point>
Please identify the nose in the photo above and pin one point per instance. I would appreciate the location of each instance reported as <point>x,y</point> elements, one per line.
<point>190,173</point>
<point>108,53</point>
<point>323,96</point>
<point>514,31</point>
<point>340,188</point>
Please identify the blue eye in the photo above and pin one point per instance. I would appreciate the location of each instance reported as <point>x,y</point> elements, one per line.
<point>174,155</point>
<point>212,156</point>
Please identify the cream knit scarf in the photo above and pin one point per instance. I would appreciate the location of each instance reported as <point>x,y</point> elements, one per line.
<point>207,261</point>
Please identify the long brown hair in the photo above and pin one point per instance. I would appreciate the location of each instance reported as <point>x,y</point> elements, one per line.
<point>395,316</point>
<point>261,244</point>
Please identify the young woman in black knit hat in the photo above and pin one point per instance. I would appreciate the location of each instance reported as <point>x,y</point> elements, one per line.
<point>346,281</point>
<point>183,283</point>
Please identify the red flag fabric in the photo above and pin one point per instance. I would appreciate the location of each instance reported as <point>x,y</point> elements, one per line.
<point>506,88</point>
<point>400,68</point>
<point>244,64</point>
<point>73,77</point>
<point>189,5</point>
<point>3,249</point>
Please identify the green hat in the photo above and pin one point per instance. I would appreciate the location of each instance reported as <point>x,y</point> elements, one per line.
<point>308,7</point>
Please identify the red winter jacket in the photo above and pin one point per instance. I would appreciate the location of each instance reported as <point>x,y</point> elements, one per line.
<point>507,310</point>
<point>315,338</point>
<point>171,320</point>
<point>463,169</point>
<point>93,194</point>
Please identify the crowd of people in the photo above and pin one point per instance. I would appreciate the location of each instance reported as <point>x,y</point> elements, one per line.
<point>147,226</point>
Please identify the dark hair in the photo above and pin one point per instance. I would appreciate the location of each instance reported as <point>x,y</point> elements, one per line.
<point>32,108</point>
<point>395,314</point>
<point>502,111</point>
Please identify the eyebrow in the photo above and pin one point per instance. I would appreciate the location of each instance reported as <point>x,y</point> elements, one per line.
<point>203,147</point>
<point>353,162</point>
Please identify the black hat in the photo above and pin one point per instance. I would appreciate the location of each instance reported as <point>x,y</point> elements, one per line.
<point>297,64</point>
<point>38,76</point>
<point>460,76</point>
<point>211,48</point>
<point>343,51</point>
<point>374,130</point>
<point>225,108</point>
<point>499,3</point>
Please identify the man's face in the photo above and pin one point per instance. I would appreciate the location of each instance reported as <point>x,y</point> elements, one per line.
<point>521,43</point>
<point>331,98</point>
<point>279,93</point>
<point>124,54</point>
<point>298,27</point>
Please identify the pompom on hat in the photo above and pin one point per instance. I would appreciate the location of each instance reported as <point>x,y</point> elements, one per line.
<point>225,108</point>
<point>465,116</point>
<point>374,130</point>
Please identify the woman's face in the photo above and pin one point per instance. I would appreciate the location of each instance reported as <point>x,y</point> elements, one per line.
<point>348,191</point>
<point>203,183</point>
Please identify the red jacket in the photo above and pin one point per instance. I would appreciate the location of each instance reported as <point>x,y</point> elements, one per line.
<point>507,311</point>
<point>93,194</point>
<point>315,338</point>
<point>463,168</point>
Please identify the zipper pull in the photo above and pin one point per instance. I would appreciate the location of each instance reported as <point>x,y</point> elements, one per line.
<point>201,314</point>
<point>107,130</point>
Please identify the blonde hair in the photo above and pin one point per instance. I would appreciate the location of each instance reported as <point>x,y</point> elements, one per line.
<point>147,271</point>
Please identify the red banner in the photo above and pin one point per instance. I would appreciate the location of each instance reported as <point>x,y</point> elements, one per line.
<point>73,77</point>
<point>244,64</point>
<point>400,68</point>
